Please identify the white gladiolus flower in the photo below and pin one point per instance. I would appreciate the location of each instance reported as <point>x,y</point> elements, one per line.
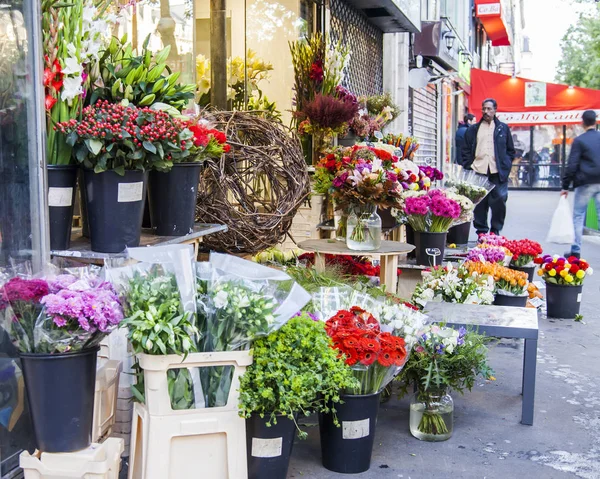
<point>221,299</point>
<point>72,66</point>
<point>71,88</point>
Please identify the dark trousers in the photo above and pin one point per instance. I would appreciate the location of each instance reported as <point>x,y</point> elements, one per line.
<point>495,201</point>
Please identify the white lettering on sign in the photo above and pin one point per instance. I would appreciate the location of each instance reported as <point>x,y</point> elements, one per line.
<point>488,9</point>
<point>266,447</point>
<point>355,429</point>
<point>130,192</point>
<point>542,117</point>
<point>60,196</point>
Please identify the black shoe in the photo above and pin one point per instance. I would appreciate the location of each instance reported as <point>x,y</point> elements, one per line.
<point>570,253</point>
<point>479,233</point>
<point>494,232</point>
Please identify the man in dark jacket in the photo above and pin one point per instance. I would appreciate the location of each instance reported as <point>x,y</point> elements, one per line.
<point>583,171</point>
<point>459,138</point>
<point>489,151</point>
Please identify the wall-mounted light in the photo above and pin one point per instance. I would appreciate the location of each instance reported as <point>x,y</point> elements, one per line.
<point>449,38</point>
<point>465,56</point>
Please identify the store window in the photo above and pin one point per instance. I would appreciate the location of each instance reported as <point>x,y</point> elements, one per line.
<point>260,72</point>
<point>23,245</point>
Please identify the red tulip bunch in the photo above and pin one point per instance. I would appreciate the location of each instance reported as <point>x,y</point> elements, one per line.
<point>524,251</point>
<point>357,335</point>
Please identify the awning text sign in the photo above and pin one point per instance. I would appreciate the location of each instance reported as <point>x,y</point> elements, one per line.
<point>541,117</point>
<point>488,9</point>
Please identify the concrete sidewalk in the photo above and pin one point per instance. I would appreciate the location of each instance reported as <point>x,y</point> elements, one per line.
<point>489,441</point>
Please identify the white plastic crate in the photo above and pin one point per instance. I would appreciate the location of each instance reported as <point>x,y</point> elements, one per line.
<point>176,444</point>
<point>99,461</point>
<point>105,399</point>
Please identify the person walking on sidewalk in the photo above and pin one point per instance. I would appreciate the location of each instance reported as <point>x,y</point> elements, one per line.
<point>459,138</point>
<point>489,150</point>
<point>583,171</point>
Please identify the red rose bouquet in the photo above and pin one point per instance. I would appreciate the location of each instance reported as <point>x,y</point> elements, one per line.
<point>524,252</point>
<point>373,356</point>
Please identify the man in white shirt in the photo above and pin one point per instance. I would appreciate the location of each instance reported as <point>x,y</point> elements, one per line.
<point>489,151</point>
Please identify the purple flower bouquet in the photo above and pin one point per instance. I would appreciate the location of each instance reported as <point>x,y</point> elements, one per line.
<point>433,212</point>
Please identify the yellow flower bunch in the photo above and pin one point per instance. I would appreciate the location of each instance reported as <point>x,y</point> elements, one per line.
<point>505,278</point>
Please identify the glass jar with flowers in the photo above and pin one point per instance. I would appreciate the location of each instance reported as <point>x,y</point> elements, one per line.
<point>443,358</point>
<point>564,278</point>
<point>117,145</point>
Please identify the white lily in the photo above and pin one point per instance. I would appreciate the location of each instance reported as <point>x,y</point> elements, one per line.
<point>72,88</point>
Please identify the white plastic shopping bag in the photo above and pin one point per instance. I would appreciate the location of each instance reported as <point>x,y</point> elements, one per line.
<point>561,228</point>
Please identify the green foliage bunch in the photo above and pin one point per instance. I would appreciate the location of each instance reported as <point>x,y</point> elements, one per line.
<point>377,103</point>
<point>158,325</point>
<point>141,80</point>
<point>295,371</point>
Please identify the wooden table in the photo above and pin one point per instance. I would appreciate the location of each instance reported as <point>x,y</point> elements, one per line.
<point>388,257</point>
<point>498,322</point>
<point>81,250</point>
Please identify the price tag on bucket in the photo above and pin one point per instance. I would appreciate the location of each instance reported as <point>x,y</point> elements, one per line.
<point>266,447</point>
<point>355,429</point>
<point>130,192</point>
<point>60,196</point>
<point>579,297</point>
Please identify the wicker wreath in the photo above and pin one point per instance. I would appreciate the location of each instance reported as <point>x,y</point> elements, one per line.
<point>255,189</point>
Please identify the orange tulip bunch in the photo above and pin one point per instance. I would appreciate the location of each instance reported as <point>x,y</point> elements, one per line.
<point>505,279</point>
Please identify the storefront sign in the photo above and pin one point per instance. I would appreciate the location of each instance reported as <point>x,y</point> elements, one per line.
<point>535,94</point>
<point>488,9</point>
<point>542,117</point>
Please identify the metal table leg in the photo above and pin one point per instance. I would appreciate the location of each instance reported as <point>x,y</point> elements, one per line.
<point>529,369</point>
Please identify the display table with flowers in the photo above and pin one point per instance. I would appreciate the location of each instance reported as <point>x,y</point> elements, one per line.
<point>499,322</point>
<point>388,254</point>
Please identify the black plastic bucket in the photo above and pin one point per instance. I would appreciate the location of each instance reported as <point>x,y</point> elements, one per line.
<point>269,448</point>
<point>530,270</point>
<point>459,234</point>
<point>563,301</point>
<point>60,390</point>
<point>506,300</point>
<point>172,197</point>
<point>410,239</point>
<point>388,221</point>
<point>348,449</point>
<point>62,181</point>
<point>425,241</point>
<point>115,206</point>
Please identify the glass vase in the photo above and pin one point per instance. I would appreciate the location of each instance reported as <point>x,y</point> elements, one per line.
<point>432,415</point>
<point>363,228</point>
<point>340,219</point>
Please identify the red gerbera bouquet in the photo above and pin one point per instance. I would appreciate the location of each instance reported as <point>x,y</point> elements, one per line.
<point>374,357</point>
<point>524,251</point>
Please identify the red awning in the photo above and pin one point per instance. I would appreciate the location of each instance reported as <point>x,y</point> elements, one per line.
<point>489,13</point>
<point>554,103</point>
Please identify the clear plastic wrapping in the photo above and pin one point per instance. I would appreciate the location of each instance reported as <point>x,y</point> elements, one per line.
<point>467,183</point>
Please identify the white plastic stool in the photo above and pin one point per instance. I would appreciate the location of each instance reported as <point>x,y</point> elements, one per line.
<point>105,399</point>
<point>99,461</point>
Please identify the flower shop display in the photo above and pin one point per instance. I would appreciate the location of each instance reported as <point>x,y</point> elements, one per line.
<point>172,194</point>
<point>56,324</point>
<point>295,372</point>
<point>453,284</point>
<point>564,278</point>
<point>255,189</point>
<point>319,69</point>
<point>442,359</point>
<point>374,357</point>
<point>374,114</point>
<point>511,287</point>
<point>70,60</point>
<point>524,252</point>
<point>430,214</point>
<point>117,145</point>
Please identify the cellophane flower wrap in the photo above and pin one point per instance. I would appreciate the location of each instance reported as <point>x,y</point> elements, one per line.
<point>570,271</point>
<point>507,281</point>
<point>432,211</point>
<point>467,183</point>
<point>380,324</point>
<point>158,296</point>
<point>524,252</point>
<point>374,356</point>
<point>239,301</point>
<point>453,284</point>
<point>61,313</point>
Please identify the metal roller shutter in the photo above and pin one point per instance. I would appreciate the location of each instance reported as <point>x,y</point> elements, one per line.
<point>424,123</point>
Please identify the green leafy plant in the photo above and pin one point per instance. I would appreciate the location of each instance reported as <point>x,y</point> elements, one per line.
<point>158,325</point>
<point>142,80</point>
<point>382,103</point>
<point>295,371</point>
